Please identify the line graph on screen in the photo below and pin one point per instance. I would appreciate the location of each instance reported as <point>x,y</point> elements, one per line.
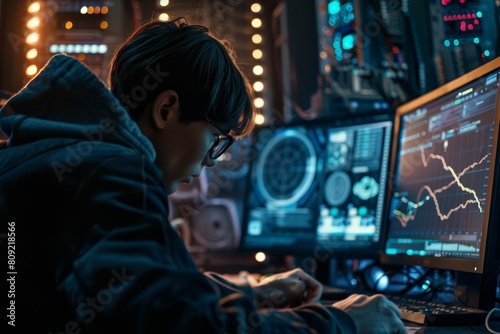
<point>426,193</point>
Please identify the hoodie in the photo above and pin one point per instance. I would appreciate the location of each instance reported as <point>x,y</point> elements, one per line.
<point>86,208</point>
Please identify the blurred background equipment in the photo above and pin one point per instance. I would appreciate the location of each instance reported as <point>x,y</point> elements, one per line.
<point>319,69</point>
<point>90,30</point>
<point>376,54</point>
<point>209,211</point>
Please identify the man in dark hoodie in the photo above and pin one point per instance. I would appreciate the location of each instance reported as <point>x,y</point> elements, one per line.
<point>84,180</point>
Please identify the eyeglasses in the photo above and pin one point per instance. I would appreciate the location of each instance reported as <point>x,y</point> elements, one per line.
<point>221,142</point>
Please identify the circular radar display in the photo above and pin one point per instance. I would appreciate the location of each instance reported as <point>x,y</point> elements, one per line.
<point>337,188</point>
<point>286,168</point>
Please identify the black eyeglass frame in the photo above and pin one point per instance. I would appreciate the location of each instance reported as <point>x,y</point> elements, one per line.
<point>215,153</point>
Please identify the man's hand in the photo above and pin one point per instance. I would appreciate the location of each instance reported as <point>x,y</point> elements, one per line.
<point>291,288</point>
<point>373,314</point>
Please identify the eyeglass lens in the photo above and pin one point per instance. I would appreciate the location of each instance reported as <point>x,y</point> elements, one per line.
<point>219,147</point>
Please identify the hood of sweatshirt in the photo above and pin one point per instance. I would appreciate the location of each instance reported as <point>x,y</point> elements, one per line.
<point>67,101</point>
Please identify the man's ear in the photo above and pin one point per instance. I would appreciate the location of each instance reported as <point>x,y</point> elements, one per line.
<point>165,108</point>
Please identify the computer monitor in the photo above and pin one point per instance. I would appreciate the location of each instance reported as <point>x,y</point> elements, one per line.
<point>317,188</point>
<point>444,186</point>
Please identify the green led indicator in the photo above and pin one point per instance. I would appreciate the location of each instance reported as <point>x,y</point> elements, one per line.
<point>458,101</point>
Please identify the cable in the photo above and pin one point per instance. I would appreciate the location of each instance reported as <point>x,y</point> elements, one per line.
<point>488,318</point>
<point>413,282</point>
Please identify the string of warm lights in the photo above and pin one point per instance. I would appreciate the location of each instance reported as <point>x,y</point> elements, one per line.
<point>163,16</point>
<point>33,36</point>
<point>89,10</point>
<point>40,13</point>
<point>258,85</point>
<point>258,55</point>
<point>94,10</point>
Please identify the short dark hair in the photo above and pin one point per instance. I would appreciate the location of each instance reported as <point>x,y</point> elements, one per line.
<point>190,60</point>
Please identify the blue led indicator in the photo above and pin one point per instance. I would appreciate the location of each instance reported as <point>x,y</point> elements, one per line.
<point>391,251</point>
<point>487,53</point>
<point>349,42</point>
<point>479,14</point>
<point>334,7</point>
<point>456,42</point>
<point>447,43</point>
<point>476,40</point>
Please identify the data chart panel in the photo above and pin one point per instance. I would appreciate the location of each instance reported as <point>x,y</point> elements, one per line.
<point>442,175</point>
<point>319,186</point>
<point>355,175</point>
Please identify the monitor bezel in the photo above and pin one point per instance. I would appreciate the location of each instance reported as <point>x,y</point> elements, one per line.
<point>476,265</point>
